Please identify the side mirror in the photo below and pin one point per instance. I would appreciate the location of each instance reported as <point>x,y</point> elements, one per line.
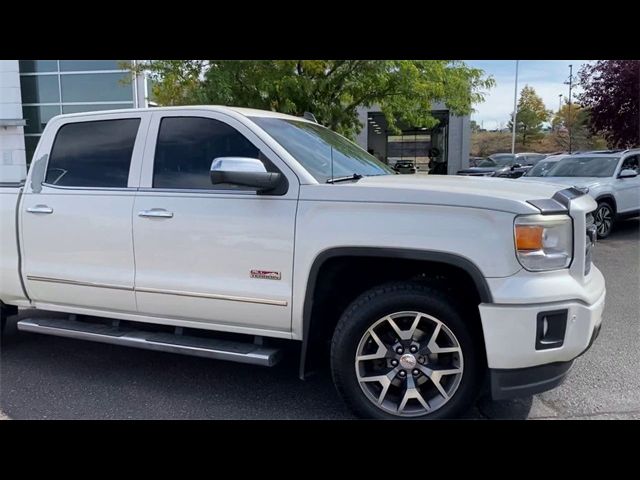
<point>516,165</point>
<point>246,172</point>
<point>628,173</point>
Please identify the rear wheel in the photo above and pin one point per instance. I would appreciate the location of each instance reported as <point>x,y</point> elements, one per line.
<point>404,351</point>
<point>604,218</point>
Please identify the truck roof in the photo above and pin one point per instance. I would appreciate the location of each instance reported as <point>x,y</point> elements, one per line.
<point>246,112</point>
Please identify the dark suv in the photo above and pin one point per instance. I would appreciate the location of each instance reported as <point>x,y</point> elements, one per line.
<point>504,165</point>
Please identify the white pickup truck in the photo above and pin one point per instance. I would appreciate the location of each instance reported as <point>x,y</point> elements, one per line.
<point>228,232</point>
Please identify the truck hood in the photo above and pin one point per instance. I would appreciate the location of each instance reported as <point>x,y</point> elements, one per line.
<point>460,191</point>
<point>590,182</point>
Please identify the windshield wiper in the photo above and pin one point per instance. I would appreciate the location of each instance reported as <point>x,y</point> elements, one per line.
<point>355,176</point>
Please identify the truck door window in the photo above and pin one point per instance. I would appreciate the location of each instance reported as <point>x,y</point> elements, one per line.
<point>93,154</point>
<point>187,146</point>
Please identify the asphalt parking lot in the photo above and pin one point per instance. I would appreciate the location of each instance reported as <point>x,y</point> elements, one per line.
<point>44,377</point>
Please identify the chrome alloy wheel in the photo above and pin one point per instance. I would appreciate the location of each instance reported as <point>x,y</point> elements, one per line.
<point>409,364</point>
<point>603,219</point>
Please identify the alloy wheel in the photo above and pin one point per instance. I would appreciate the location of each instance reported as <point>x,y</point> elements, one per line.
<point>409,364</point>
<point>603,219</point>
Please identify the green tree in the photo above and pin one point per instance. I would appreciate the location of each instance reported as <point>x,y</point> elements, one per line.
<point>532,113</point>
<point>571,127</point>
<point>475,128</point>
<point>331,89</point>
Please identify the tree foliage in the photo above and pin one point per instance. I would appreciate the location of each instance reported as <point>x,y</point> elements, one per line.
<point>612,94</point>
<point>532,113</point>
<point>571,126</point>
<point>332,90</point>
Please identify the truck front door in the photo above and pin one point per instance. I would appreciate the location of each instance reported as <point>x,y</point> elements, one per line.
<point>217,256</point>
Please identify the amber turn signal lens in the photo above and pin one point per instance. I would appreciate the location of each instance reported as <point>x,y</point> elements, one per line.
<point>529,237</point>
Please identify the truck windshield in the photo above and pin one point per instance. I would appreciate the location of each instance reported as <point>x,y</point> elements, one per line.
<point>314,146</point>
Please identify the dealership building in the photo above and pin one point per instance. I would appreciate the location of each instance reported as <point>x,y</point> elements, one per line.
<point>442,149</point>
<point>34,91</point>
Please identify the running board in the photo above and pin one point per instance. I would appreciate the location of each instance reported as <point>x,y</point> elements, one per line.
<point>165,342</point>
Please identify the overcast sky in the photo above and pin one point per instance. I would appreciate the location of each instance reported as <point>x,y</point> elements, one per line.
<point>545,76</point>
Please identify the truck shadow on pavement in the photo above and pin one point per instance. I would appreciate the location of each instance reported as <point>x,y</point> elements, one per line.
<point>45,377</point>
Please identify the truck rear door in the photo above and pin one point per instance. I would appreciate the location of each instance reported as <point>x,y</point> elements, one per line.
<point>76,212</point>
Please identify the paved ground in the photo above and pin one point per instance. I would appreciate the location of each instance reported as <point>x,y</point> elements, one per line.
<point>53,378</point>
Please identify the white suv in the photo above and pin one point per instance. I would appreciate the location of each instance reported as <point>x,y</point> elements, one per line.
<point>611,179</point>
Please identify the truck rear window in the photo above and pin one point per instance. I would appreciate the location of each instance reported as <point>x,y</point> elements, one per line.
<point>93,154</point>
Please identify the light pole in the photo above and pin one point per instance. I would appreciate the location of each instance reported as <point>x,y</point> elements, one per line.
<point>515,112</point>
<point>570,83</point>
<point>560,104</point>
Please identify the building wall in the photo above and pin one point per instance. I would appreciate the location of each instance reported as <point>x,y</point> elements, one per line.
<point>54,87</point>
<point>459,143</point>
<point>363,137</point>
<point>12,151</point>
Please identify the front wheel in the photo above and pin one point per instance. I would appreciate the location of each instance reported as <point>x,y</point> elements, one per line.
<point>604,217</point>
<point>404,351</point>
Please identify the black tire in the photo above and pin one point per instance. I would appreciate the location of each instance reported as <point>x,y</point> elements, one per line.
<point>604,210</point>
<point>378,302</point>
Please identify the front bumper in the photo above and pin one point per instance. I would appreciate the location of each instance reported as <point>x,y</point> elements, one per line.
<point>531,347</point>
<point>523,382</point>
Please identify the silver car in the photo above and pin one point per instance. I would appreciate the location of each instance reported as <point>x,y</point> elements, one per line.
<point>610,178</point>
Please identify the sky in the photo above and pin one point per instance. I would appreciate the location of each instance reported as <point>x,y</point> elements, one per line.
<point>545,76</point>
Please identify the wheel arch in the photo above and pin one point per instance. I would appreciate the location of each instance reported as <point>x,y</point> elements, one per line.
<point>389,253</point>
<point>609,198</point>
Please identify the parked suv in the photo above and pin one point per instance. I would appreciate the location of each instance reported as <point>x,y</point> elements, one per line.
<point>228,232</point>
<point>610,178</point>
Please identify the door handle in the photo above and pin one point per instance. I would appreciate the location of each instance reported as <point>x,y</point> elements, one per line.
<point>40,209</point>
<point>156,213</point>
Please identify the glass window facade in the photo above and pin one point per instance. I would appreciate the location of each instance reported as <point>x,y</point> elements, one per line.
<point>40,89</point>
<point>90,65</point>
<point>31,66</point>
<point>424,148</point>
<point>52,87</point>
<point>92,108</point>
<point>37,117</point>
<point>89,87</point>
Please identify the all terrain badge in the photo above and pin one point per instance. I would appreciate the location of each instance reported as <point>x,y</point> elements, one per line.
<point>266,274</point>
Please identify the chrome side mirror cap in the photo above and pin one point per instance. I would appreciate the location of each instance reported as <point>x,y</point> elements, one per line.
<point>245,172</point>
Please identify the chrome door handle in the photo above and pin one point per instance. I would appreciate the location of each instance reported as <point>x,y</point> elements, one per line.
<point>156,213</point>
<point>40,209</point>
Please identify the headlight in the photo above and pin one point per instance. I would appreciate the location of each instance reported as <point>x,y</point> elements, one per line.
<point>544,242</point>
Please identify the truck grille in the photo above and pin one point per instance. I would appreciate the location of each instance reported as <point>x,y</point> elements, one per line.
<point>590,239</point>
